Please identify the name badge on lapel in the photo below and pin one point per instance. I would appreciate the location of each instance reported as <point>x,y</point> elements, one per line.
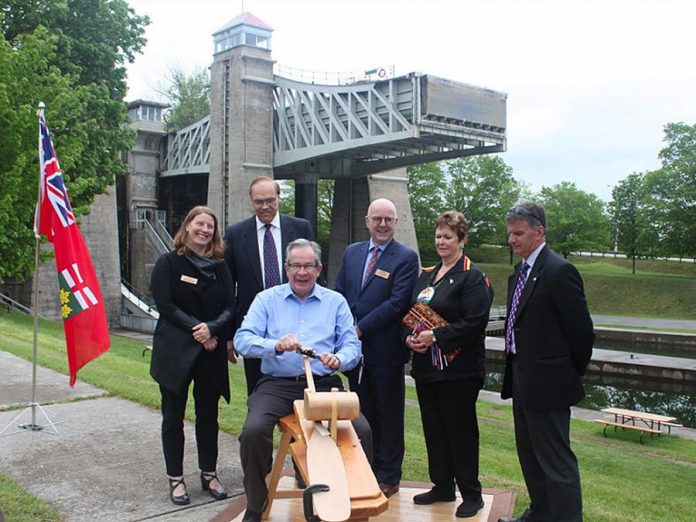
<point>382,273</point>
<point>188,279</point>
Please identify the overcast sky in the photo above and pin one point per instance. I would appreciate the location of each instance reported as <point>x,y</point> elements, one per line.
<point>590,84</point>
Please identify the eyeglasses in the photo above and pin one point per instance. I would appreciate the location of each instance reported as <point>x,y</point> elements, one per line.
<point>378,219</point>
<point>263,202</point>
<point>296,267</point>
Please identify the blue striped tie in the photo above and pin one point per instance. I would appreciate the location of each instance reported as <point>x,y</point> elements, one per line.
<point>510,331</point>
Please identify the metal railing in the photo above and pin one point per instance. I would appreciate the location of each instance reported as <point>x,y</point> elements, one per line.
<point>11,304</point>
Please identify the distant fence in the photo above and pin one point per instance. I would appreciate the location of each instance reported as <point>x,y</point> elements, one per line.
<point>619,255</point>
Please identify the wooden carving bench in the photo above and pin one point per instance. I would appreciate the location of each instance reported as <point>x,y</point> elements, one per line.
<point>366,499</point>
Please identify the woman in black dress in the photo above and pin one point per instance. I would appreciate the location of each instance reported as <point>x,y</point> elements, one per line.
<point>448,367</point>
<point>193,291</point>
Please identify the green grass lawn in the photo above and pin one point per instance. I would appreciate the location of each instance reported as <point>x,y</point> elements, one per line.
<point>612,290</point>
<point>622,479</point>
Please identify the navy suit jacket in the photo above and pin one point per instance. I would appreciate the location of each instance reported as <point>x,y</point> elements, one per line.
<point>553,335</point>
<point>379,306</point>
<point>243,260</point>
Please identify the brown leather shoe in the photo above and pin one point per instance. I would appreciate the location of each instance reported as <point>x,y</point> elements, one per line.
<point>389,489</point>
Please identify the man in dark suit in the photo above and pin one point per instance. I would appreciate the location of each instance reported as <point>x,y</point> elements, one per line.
<point>376,278</point>
<point>255,253</point>
<point>548,342</point>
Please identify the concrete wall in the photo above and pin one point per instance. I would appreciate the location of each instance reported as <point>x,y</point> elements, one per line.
<point>351,201</point>
<point>241,128</point>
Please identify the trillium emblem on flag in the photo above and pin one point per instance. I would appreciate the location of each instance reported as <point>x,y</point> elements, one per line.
<point>75,296</point>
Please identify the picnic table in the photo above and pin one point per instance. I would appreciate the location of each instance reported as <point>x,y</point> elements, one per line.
<point>638,420</point>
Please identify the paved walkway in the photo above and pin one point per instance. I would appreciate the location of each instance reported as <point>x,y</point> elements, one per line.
<point>106,463</point>
<point>644,322</point>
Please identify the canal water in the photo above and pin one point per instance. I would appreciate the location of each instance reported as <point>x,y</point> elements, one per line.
<point>677,400</point>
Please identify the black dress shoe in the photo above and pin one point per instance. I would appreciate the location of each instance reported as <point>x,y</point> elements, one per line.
<point>206,478</point>
<point>251,516</point>
<point>432,496</point>
<point>469,507</point>
<point>524,517</point>
<point>179,500</point>
<point>389,489</point>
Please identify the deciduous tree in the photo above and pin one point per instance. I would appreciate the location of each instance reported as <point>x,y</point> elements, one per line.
<point>483,189</point>
<point>576,219</point>
<point>189,96</point>
<point>77,67</point>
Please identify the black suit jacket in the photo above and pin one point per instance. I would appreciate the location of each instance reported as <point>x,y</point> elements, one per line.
<point>553,335</point>
<point>185,297</point>
<point>242,258</point>
<point>379,305</point>
<point>463,298</point>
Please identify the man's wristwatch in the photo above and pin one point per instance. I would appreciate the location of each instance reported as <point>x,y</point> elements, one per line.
<point>434,339</point>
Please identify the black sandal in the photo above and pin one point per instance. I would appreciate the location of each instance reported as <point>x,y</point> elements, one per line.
<point>179,500</point>
<point>206,478</point>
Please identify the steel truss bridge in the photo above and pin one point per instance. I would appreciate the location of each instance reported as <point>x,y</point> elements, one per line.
<point>353,130</point>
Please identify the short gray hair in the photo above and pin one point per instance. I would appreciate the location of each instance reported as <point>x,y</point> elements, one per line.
<point>304,243</point>
<point>533,213</point>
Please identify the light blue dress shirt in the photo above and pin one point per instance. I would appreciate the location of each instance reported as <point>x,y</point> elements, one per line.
<point>322,321</point>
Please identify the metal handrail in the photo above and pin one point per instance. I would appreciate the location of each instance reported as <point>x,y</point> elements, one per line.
<point>159,243</point>
<point>15,305</point>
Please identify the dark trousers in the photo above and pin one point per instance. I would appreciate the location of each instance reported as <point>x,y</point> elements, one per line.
<point>252,372</point>
<point>382,396</point>
<point>548,463</point>
<point>206,399</point>
<point>450,426</point>
<point>271,400</point>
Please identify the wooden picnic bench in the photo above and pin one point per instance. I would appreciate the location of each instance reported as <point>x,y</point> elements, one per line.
<point>643,422</point>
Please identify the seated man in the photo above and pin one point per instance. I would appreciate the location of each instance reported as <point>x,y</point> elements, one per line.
<point>280,320</point>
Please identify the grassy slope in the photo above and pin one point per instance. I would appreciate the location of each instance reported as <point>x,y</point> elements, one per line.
<point>658,289</point>
<point>622,480</point>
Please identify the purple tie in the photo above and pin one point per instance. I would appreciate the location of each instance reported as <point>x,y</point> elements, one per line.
<point>270,259</point>
<point>371,265</point>
<point>509,332</point>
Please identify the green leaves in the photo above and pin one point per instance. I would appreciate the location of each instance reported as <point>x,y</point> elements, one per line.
<point>189,96</point>
<point>77,69</point>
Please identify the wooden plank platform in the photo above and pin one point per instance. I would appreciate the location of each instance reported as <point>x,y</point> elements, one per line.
<point>498,504</point>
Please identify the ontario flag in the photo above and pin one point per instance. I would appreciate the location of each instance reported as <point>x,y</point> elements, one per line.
<point>81,303</point>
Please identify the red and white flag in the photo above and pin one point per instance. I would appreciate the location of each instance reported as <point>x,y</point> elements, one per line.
<point>81,303</point>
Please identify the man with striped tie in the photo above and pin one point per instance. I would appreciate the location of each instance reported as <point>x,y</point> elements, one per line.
<point>254,253</point>
<point>376,278</point>
<point>548,343</point>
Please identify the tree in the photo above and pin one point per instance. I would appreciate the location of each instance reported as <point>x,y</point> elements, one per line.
<point>575,219</point>
<point>78,69</point>
<point>483,189</point>
<point>629,218</point>
<point>673,188</point>
<point>189,96</point>
<point>426,189</point>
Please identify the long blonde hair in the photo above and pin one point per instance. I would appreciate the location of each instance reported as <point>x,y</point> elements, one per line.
<point>215,249</point>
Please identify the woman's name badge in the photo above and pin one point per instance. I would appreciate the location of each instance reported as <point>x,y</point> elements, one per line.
<point>189,279</point>
<point>382,273</point>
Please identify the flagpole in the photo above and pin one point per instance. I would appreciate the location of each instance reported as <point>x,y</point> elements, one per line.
<point>34,405</point>
<point>35,285</point>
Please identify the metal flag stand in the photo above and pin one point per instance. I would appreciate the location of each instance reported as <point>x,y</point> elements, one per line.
<point>33,405</point>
